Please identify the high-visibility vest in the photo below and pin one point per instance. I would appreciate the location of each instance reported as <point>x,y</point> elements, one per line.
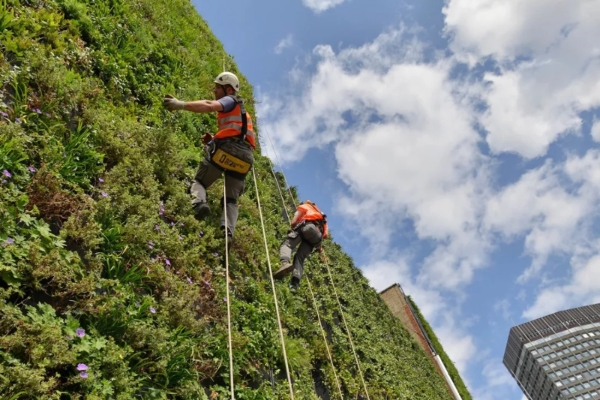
<point>230,123</point>
<point>313,214</point>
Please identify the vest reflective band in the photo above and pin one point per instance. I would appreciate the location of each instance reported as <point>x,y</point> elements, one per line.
<point>313,214</point>
<point>230,125</point>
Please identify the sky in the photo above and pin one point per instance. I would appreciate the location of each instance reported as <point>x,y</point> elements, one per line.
<point>454,146</point>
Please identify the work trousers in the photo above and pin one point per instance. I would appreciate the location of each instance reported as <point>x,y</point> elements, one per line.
<point>308,236</point>
<point>235,183</point>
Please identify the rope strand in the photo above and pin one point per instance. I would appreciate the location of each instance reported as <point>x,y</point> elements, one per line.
<point>346,326</point>
<point>227,286</point>
<point>332,284</point>
<point>287,369</point>
<point>337,382</point>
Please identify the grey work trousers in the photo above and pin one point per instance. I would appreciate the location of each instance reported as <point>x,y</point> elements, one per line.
<point>235,183</point>
<point>308,236</point>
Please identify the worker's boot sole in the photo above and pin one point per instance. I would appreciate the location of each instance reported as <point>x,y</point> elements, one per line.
<point>201,211</point>
<point>284,270</point>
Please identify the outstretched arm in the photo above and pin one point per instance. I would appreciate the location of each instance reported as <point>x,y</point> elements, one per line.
<point>199,106</point>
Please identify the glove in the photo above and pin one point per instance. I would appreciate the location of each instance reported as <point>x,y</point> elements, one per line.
<point>207,138</point>
<point>172,104</point>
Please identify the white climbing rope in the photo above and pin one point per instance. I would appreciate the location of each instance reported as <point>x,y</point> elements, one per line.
<point>346,326</point>
<point>287,369</point>
<point>337,382</point>
<point>227,286</point>
<point>332,285</point>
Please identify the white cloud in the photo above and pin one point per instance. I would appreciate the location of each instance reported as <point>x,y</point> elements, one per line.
<point>457,342</point>
<point>384,273</point>
<point>595,131</point>
<point>411,160</point>
<point>284,44</point>
<point>539,208</point>
<point>410,153</point>
<point>548,66</point>
<point>583,289</point>
<point>319,6</point>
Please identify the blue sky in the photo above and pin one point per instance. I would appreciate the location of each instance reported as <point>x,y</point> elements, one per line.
<point>453,144</point>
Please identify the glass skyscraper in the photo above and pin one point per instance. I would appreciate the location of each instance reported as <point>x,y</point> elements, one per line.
<point>557,356</point>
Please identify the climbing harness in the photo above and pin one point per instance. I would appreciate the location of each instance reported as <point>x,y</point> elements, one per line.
<point>222,158</point>
<point>287,369</point>
<point>333,286</point>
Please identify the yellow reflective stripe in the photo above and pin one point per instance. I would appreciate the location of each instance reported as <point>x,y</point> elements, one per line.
<point>233,118</point>
<point>231,126</point>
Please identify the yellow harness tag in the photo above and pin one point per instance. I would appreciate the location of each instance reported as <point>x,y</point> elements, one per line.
<point>230,163</point>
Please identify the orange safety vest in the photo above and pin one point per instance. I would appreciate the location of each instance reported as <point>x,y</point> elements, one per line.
<point>313,214</point>
<point>230,124</point>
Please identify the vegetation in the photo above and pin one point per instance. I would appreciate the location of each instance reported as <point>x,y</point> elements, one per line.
<point>109,288</point>
<point>452,371</point>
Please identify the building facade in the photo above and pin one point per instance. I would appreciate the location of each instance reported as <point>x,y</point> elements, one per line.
<point>398,304</point>
<point>557,356</point>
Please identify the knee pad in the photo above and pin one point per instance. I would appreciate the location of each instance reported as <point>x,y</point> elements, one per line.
<point>229,200</point>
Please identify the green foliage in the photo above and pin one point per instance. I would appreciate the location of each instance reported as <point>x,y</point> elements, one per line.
<point>452,371</point>
<point>97,232</point>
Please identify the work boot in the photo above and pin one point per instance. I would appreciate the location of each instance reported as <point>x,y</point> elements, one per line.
<point>201,210</point>
<point>294,283</point>
<point>286,268</point>
<point>229,233</point>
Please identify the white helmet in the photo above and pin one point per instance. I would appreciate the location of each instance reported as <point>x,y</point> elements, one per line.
<point>227,78</point>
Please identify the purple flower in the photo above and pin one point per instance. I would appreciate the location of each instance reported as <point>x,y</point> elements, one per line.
<point>37,110</point>
<point>8,241</point>
<point>150,244</point>
<point>225,299</point>
<point>31,169</point>
<point>216,254</point>
<point>80,332</point>
<point>172,223</point>
<point>100,180</point>
<point>180,238</point>
<point>153,259</point>
<point>207,283</point>
<point>3,114</point>
<point>6,174</point>
<point>83,375</point>
<point>167,261</point>
<point>156,227</point>
<point>152,310</point>
<point>189,280</point>
<point>201,233</point>
<point>82,367</point>
<point>18,120</point>
<point>3,180</point>
<point>104,194</point>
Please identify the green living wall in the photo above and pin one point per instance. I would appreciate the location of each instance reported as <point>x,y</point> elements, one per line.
<point>452,371</point>
<point>109,288</point>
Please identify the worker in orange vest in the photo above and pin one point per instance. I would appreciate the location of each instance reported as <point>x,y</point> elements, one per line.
<point>229,151</point>
<point>309,228</point>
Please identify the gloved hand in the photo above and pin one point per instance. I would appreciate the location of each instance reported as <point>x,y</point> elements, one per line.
<point>207,138</point>
<point>172,104</point>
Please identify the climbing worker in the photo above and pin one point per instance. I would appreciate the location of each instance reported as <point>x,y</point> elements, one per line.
<point>309,228</point>
<point>229,151</point>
